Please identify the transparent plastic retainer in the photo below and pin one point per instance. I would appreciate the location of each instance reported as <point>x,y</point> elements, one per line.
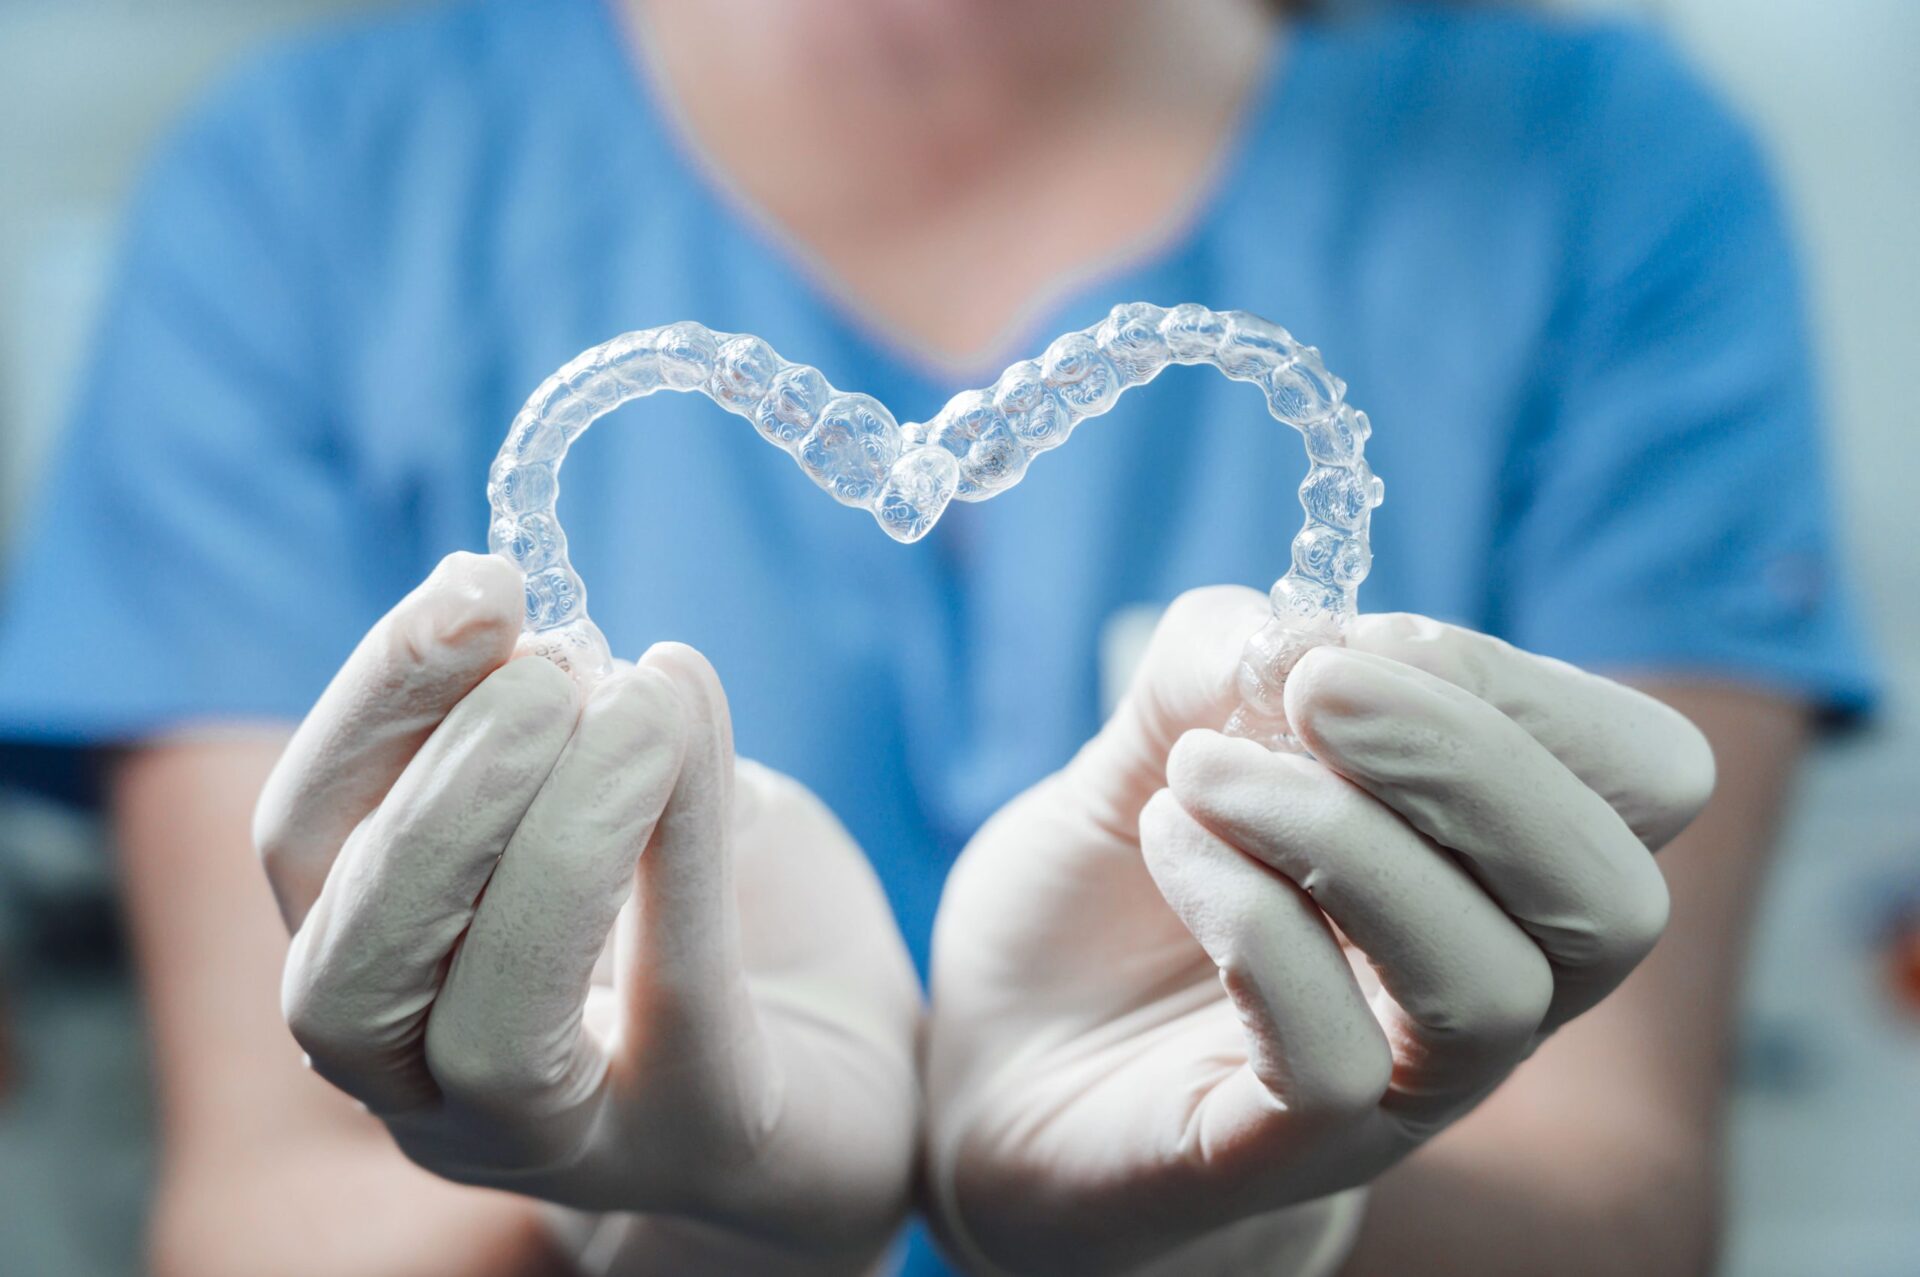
<point>978,445</point>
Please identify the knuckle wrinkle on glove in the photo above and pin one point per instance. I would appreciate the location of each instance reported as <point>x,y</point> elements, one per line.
<point>685,664</point>
<point>330,1039</point>
<point>1680,788</point>
<point>1345,1090</point>
<point>1502,1014</point>
<point>1641,918</point>
<point>1609,936</point>
<point>272,840</point>
<point>478,1070</point>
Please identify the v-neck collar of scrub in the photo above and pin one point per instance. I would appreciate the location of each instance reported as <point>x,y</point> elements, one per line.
<point>1272,98</point>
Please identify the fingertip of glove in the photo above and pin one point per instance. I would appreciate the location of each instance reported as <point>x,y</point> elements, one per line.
<point>1203,756</point>
<point>641,686</point>
<point>698,686</point>
<point>468,607</point>
<point>1343,681</point>
<point>1336,697</point>
<point>644,703</point>
<point>1681,786</point>
<point>1206,606</point>
<point>485,582</point>
<point>1387,630</point>
<point>1211,622</point>
<point>1161,814</point>
<point>684,666</point>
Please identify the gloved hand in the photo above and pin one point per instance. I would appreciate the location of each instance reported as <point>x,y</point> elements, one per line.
<point>452,837</point>
<point>1187,991</point>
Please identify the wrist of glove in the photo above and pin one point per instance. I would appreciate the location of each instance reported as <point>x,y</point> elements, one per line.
<point>1310,1239</point>
<point>1187,987</point>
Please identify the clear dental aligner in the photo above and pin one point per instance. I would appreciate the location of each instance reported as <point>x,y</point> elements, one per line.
<point>978,445</point>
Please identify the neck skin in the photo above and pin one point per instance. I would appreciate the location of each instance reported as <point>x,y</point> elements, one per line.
<point>948,163</point>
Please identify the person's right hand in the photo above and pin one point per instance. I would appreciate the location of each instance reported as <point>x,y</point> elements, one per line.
<point>452,836</point>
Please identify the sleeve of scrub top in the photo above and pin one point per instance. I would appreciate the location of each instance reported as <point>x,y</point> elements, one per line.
<point>196,553</point>
<point>1670,512</point>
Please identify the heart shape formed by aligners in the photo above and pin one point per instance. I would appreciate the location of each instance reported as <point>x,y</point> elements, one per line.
<point>978,445</point>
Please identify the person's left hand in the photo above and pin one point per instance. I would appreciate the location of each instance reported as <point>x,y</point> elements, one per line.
<point>1185,991</point>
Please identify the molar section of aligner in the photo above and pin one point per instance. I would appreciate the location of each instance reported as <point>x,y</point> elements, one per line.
<point>557,626</point>
<point>1331,554</point>
<point>531,542</point>
<point>743,371</point>
<point>1341,496</point>
<point>850,448</point>
<point>686,353</point>
<point>555,596</point>
<point>526,532</point>
<point>977,433</point>
<point>1080,376</point>
<point>1131,339</point>
<point>795,395</point>
<point>1313,610</point>
<point>1033,412</point>
<point>1336,558</point>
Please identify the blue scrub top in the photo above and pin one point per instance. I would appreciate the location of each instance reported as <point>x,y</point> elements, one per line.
<point>1548,263</point>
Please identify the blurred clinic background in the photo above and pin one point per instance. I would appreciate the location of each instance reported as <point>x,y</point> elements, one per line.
<point>1826,1146</point>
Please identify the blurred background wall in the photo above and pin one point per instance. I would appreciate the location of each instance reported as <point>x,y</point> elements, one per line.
<point>1827,1141</point>
<point>1826,1176</point>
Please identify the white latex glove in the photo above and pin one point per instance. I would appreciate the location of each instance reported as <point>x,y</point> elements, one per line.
<point>1150,1049</point>
<point>452,838</point>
